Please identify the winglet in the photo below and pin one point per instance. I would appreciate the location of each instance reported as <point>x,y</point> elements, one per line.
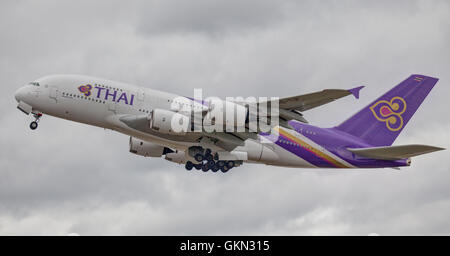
<point>355,91</point>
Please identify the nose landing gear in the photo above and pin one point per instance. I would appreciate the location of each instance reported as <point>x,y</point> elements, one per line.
<point>34,124</point>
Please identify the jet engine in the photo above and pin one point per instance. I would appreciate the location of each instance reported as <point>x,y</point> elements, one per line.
<point>147,149</point>
<point>178,157</point>
<point>168,122</point>
<point>226,114</point>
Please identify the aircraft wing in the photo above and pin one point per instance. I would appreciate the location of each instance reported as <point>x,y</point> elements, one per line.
<point>289,109</point>
<point>315,99</point>
<point>394,152</point>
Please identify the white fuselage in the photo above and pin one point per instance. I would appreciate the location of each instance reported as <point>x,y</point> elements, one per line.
<point>108,101</point>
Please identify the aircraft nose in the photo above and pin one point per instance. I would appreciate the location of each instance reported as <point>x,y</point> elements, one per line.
<point>20,94</point>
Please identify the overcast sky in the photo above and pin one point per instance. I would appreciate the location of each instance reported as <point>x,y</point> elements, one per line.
<point>68,178</point>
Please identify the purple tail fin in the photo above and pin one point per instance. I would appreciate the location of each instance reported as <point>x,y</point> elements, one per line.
<point>381,122</point>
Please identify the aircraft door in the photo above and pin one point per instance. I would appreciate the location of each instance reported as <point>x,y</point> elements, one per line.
<point>53,93</point>
<point>140,97</point>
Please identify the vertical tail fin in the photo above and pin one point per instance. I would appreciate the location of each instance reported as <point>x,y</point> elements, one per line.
<point>381,121</point>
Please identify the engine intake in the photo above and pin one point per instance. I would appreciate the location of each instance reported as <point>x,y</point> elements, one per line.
<point>226,114</point>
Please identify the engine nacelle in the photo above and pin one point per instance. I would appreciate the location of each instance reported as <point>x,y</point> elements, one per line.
<point>226,114</point>
<point>178,157</point>
<point>168,122</point>
<point>148,149</point>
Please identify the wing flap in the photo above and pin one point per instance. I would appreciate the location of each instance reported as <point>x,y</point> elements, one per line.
<point>394,152</point>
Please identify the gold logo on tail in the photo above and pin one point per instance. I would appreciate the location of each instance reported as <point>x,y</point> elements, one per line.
<point>390,112</point>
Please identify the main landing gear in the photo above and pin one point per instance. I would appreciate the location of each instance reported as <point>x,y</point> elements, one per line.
<point>207,161</point>
<point>223,166</point>
<point>34,124</point>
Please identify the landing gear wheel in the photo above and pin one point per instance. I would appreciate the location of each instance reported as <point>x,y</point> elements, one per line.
<point>205,168</point>
<point>216,157</point>
<point>33,125</point>
<point>221,164</point>
<point>189,165</point>
<point>215,168</point>
<point>207,151</point>
<point>210,164</point>
<point>230,164</point>
<point>209,157</point>
<point>198,166</point>
<point>224,169</point>
<point>199,157</point>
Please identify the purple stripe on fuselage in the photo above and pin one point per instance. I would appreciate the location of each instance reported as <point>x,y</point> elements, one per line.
<point>298,150</point>
<point>337,143</point>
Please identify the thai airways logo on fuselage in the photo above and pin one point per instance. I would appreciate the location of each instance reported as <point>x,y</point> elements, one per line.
<point>85,89</point>
<point>107,94</point>
<point>390,112</point>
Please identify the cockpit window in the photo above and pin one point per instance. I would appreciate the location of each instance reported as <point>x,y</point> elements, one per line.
<point>35,83</point>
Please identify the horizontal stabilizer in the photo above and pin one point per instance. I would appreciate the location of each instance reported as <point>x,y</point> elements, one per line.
<point>394,152</point>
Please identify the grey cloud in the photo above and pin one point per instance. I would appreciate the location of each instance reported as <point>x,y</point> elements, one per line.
<point>209,17</point>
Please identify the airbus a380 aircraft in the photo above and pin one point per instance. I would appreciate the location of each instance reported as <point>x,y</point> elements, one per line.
<point>147,116</point>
